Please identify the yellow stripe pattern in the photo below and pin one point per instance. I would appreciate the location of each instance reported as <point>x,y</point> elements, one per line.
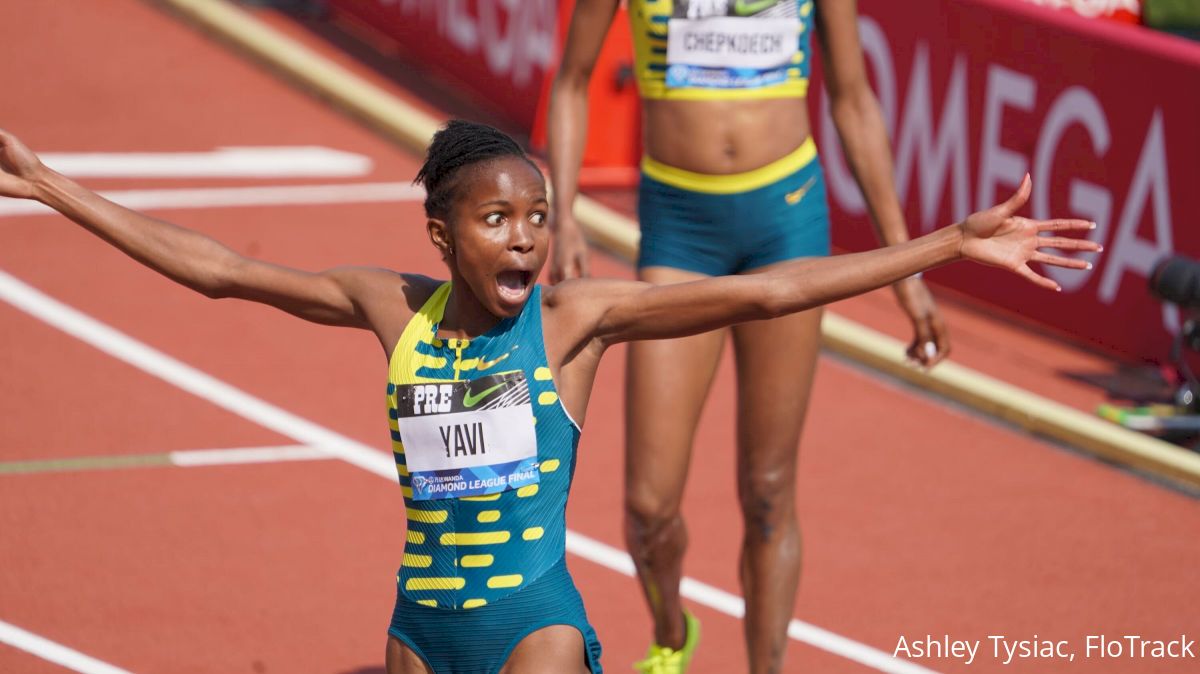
<point>476,561</point>
<point>435,584</point>
<point>427,516</point>
<point>505,581</point>
<point>417,561</point>
<point>484,538</point>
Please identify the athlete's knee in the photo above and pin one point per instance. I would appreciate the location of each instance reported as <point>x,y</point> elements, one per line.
<point>768,499</point>
<point>648,514</point>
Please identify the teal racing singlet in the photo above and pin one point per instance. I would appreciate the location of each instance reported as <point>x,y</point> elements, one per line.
<point>485,452</point>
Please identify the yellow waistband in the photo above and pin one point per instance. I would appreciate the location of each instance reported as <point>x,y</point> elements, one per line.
<point>733,182</point>
<point>656,88</point>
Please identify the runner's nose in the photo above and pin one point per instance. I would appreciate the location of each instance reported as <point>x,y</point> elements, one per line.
<point>521,236</point>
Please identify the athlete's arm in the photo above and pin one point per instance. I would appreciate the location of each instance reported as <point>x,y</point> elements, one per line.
<point>567,131</point>
<point>190,258</point>
<point>860,125</point>
<point>616,311</point>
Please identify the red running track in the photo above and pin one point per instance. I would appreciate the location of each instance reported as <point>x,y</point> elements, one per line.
<point>919,518</point>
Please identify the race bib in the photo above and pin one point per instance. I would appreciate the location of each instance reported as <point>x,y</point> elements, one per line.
<point>468,438</point>
<point>728,52</point>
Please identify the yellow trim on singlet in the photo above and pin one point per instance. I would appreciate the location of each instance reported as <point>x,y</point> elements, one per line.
<point>655,88</point>
<point>732,183</point>
<point>406,360</point>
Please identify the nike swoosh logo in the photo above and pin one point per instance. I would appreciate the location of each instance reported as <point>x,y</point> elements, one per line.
<point>487,365</point>
<point>470,400</point>
<point>744,8</point>
<point>794,198</point>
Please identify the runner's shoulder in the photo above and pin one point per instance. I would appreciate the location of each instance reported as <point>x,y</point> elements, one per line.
<point>380,288</point>
<point>416,289</point>
<point>579,298</point>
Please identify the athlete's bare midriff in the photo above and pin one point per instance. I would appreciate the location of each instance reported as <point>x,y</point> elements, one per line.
<point>723,137</point>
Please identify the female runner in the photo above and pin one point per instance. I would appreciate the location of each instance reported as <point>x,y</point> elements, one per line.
<point>488,373</point>
<point>730,185</point>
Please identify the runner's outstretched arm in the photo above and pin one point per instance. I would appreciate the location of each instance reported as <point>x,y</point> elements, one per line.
<point>617,311</point>
<point>185,256</point>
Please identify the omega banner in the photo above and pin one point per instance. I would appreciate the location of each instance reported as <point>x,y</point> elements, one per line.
<point>495,51</point>
<point>1105,117</point>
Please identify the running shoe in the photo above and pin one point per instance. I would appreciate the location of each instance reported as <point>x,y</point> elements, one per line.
<point>667,660</point>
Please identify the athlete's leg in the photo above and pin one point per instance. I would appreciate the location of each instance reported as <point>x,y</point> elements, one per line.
<point>550,650</point>
<point>401,659</point>
<point>775,362</point>
<point>666,384</point>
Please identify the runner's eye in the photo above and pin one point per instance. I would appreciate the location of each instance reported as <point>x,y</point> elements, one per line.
<point>538,218</point>
<point>494,218</point>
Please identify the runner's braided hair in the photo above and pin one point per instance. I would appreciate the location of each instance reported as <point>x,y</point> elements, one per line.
<point>459,144</point>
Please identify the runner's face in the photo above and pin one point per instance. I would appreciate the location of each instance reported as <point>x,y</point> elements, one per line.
<point>499,232</point>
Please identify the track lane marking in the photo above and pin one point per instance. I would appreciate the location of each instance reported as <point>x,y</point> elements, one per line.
<point>54,652</point>
<point>201,384</point>
<point>190,458</point>
<point>226,197</point>
<point>299,161</point>
<point>186,458</point>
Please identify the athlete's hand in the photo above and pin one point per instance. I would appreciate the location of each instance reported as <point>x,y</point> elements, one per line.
<point>568,250</point>
<point>1000,238</point>
<point>19,168</point>
<point>931,341</point>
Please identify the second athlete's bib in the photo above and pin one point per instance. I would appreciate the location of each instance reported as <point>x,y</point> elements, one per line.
<point>727,46</point>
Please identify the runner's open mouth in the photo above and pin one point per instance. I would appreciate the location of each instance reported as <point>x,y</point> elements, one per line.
<point>512,284</point>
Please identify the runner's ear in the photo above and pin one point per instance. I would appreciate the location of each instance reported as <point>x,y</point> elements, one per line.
<point>439,236</point>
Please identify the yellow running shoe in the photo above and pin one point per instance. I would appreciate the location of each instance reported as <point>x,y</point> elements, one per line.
<point>667,660</point>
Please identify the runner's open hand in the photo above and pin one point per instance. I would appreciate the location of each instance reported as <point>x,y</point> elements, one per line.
<point>19,167</point>
<point>999,238</point>
<point>931,339</point>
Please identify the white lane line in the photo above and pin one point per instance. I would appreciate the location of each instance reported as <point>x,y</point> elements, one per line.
<point>154,362</point>
<point>125,348</point>
<point>182,458</point>
<point>223,457</point>
<point>54,652</point>
<point>225,197</point>
<point>224,162</point>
